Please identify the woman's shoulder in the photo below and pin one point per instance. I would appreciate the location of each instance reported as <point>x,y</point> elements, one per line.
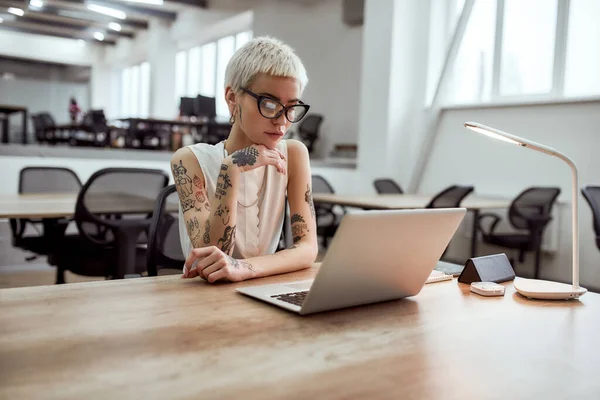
<point>296,148</point>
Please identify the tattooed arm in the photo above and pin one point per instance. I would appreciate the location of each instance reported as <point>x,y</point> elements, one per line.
<point>304,229</point>
<point>207,224</point>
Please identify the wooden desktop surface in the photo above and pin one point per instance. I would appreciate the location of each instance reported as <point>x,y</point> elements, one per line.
<point>165,337</point>
<point>57,205</point>
<point>404,201</point>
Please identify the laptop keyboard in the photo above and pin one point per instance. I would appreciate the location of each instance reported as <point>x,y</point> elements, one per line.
<point>296,298</point>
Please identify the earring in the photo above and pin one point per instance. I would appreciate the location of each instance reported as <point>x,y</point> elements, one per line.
<point>232,119</point>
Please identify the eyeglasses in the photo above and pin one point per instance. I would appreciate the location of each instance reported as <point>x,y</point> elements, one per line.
<point>272,109</point>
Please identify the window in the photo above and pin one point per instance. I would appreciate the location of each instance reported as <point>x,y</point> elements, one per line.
<point>471,77</point>
<point>528,52</point>
<point>582,76</point>
<point>516,50</point>
<point>201,70</point>
<point>135,91</point>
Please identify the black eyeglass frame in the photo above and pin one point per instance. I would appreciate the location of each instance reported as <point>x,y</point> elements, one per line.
<point>259,98</point>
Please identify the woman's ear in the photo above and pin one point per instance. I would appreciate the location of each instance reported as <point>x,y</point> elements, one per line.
<point>231,100</point>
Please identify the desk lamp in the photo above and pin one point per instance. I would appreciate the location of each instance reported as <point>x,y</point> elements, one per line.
<point>536,288</point>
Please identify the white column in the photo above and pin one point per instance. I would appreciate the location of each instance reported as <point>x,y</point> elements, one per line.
<point>161,55</point>
<point>393,85</point>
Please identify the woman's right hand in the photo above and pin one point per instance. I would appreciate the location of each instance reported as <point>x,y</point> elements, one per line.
<point>258,155</point>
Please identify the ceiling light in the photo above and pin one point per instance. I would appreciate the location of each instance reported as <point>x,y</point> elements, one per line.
<point>99,36</point>
<point>1,20</point>
<point>36,3</point>
<point>107,11</point>
<point>16,11</point>
<point>114,26</point>
<point>155,2</point>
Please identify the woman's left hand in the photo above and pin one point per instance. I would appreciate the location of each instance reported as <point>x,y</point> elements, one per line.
<point>213,265</point>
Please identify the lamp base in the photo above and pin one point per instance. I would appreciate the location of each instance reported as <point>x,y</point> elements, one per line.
<point>547,290</point>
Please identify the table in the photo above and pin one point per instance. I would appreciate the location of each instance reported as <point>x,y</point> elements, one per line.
<point>200,123</point>
<point>7,109</point>
<point>167,337</point>
<point>51,206</point>
<point>62,205</point>
<point>472,203</point>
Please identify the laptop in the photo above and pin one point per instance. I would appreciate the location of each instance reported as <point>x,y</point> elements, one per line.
<point>374,256</point>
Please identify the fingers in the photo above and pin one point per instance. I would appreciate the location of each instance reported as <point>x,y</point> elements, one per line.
<point>196,254</point>
<point>220,274</point>
<point>278,163</point>
<point>215,266</point>
<point>207,261</point>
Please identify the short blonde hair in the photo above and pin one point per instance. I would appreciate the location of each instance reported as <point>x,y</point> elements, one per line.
<point>265,55</point>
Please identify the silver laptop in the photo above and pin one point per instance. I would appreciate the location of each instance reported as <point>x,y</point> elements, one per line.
<point>374,256</point>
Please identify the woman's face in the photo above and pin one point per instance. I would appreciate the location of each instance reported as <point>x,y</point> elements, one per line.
<point>261,130</point>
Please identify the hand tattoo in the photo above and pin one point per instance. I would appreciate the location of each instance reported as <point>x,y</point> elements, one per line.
<point>245,156</point>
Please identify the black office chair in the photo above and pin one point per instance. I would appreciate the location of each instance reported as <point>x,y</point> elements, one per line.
<point>450,197</point>
<point>113,214</point>
<point>42,180</point>
<point>164,246</point>
<point>94,130</point>
<point>530,213</point>
<point>387,186</point>
<point>308,130</point>
<point>592,195</point>
<point>42,135</point>
<point>327,219</point>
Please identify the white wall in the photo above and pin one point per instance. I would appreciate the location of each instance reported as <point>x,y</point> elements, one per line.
<point>500,169</point>
<point>393,87</point>
<point>331,52</point>
<point>39,96</point>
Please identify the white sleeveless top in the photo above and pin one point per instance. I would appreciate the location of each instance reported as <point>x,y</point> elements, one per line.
<point>258,227</point>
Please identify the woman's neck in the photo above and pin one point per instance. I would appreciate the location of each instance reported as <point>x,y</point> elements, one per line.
<point>236,140</point>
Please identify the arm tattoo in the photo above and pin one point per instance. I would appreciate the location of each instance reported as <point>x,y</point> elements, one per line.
<point>299,227</point>
<point>245,156</point>
<point>227,242</point>
<point>206,238</point>
<point>201,199</point>
<point>223,212</point>
<point>192,225</point>
<point>309,200</point>
<point>222,183</point>
<point>184,186</point>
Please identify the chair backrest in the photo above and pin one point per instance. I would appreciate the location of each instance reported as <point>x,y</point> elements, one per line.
<point>320,185</point>
<point>38,126</point>
<point>451,197</point>
<point>531,204</point>
<point>164,246</point>
<point>48,180</point>
<point>112,193</point>
<point>308,129</point>
<point>592,195</point>
<point>47,120</point>
<point>387,186</point>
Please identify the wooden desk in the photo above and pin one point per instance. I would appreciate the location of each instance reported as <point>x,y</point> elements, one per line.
<point>7,109</point>
<point>52,205</point>
<point>170,338</point>
<point>472,203</point>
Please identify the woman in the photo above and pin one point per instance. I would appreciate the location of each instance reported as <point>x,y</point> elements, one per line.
<point>232,194</point>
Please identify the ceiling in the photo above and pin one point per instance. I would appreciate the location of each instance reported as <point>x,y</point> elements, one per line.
<point>87,19</point>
